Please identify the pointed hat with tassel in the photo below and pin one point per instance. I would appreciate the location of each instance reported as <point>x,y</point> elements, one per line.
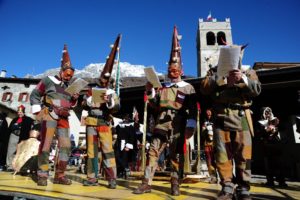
<point>110,61</point>
<point>65,60</point>
<point>175,56</point>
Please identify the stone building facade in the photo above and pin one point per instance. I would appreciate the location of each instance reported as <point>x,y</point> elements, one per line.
<point>210,36</point>
<point>15,92</point>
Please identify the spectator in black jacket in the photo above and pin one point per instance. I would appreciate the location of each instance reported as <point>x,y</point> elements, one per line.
<point>19,129</point>
<point>273,151</point>
<point>124,146</point>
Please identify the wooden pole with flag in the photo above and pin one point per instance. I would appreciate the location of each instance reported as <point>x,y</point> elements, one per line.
<point>209,16</point>
<point>118,72</point>
<point>198,139</point>
<point>144,132</point>
<point>186,156</point>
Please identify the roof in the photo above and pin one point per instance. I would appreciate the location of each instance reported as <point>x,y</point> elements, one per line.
<point>274,65</point>
<point>8,108</point>
<point>19,80</point>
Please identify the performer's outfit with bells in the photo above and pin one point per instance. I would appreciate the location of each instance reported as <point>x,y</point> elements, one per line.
<point>173,101</point>
<point>98,129</point>
<point>98,126</point>
<point>176,104</point>
<point>232,137</point>
<point>52,104</point>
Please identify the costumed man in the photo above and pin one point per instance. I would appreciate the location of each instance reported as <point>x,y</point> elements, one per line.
<point>19,129</point>
<point>51,105</point>
<point>273,149</point>
<point>231,90</point>
<point>124,146</point>
<point>176,122</point>
<point>98,125</point>
<point>208,133</point>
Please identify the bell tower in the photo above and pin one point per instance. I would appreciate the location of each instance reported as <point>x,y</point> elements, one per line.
<point>210,36</point>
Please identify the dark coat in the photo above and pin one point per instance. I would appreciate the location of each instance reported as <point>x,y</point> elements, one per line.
<point>126,133</point>
<point>25,127</point>
<point>4,137</point>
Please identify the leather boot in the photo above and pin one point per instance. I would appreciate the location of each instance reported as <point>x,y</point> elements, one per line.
<point>213,180</point>
<point>126,173</point>
<point>90,182</point>
<point>62,180</point>
<point>175,187</point>
<point>224,196</point>
<point>227,192</point>
<point>42,181</point>
<point>243,193</point>
<point>143,188</point>
<point>112,184</point>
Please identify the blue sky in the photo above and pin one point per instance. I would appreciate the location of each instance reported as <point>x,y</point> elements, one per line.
<point>33,32</point>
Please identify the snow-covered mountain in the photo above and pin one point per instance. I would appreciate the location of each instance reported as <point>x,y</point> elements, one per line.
<point>93,71</point>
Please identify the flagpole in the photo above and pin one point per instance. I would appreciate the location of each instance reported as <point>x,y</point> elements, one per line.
<point>118,72</point>
<point>198,139</point>
<point>144,133</point>
<point>209,17</point>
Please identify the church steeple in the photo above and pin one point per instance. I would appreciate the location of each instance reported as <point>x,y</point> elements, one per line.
<point>210,36</point>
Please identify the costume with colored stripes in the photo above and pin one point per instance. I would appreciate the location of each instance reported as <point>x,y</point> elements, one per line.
<point>49,99</point>
<point>99,136</point>
<point>176,104</point>
<point>233,128</point>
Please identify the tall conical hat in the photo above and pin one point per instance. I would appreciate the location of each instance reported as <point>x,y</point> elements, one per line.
<point>110,61</point>
<point>175,56</point>
<point>65,60</point>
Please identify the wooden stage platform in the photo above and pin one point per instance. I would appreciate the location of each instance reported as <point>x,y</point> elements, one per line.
<point>23,187</point>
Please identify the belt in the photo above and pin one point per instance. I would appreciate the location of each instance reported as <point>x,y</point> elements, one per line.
<point>16,132</point>
<point>97,116</point>
<point>237,106</point>
<point>51,106</point>
<point>169,109</point>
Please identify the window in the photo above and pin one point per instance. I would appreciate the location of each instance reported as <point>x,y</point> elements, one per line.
<point>7,96</point>
<point>221,38</point>
<point>23,97</point>
<point>210,38</point>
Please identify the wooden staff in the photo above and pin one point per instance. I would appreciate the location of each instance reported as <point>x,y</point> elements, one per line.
<point>186,155</point>
<point>118,72</point>
<point>144,132</point>
<point>198,139</point>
